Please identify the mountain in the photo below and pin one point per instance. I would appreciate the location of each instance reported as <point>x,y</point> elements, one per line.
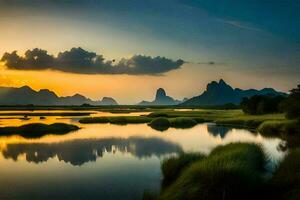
<point>220,93</point>
<point>25,95</point>
<point>161,98</point>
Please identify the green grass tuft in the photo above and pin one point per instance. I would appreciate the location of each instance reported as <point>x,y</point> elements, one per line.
<point>172,167</point>
<point>182,122</point>
<point>233,171</point>
<point>160,124</point>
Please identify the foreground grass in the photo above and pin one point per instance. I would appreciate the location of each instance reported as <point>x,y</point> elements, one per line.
<point>285,184</point>
<point>38,129</point>
<point>172,167</point>
<point>233,171</point>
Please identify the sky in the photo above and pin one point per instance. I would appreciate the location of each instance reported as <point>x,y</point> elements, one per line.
<point>127,49</point>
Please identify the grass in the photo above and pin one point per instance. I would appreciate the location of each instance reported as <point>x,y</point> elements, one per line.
<point>38,129</point>
<point>160,123</point>
<point>286,181</point>
<point>182,119</point>
<point>182,122</point>
<point>289,130</point>
<point>163,123</point>
<point>233,171</point>
<point>162,120</point>
<point>172,167</point>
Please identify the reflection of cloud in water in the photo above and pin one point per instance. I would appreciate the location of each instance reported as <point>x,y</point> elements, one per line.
<point>216,130</point>
<point>80,151</point>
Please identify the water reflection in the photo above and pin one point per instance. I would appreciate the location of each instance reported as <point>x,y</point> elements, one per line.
<point>116,162</point>
<point>215,130</point>
<point>78,152</point>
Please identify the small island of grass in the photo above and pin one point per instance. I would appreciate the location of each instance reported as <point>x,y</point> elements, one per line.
<point>38,129</point>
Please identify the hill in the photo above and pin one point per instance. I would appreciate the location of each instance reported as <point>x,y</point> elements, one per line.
<point>220,93</point>
<point>26,95</point>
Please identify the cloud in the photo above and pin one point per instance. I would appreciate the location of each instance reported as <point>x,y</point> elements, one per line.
<point>78,60</point>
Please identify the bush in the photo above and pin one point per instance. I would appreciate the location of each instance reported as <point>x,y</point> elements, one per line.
<point>231,172</point>
<point>172,167</point>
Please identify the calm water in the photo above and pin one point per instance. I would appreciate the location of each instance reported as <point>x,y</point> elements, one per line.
<point>103,161</point>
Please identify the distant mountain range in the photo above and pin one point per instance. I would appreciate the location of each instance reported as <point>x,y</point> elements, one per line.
<point>25,95</point>
<point>161,98</point>
<point>216,93</point>
<point>220,93</point>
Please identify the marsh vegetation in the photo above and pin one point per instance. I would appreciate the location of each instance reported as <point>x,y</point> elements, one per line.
<point>38,129</point>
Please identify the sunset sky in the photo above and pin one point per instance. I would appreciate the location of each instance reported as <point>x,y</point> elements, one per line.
<point>129,48</point>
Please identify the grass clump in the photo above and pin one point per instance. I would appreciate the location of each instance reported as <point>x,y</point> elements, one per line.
<point>289,130</point>
<point>286,180</point>
<point>182,122</point>
<point>38,129</point>
<point>172,167</point>
<point>233,171</point>
<point>160,124</point>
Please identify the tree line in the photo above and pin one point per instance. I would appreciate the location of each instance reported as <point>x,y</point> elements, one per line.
<point>264,104</point>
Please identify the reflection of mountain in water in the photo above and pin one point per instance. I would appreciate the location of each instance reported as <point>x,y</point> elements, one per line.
<point>78,152</point>
<point>218,130</point>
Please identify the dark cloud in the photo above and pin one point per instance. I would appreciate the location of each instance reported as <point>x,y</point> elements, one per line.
<point>78,60</point>
<point>35,59</point>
